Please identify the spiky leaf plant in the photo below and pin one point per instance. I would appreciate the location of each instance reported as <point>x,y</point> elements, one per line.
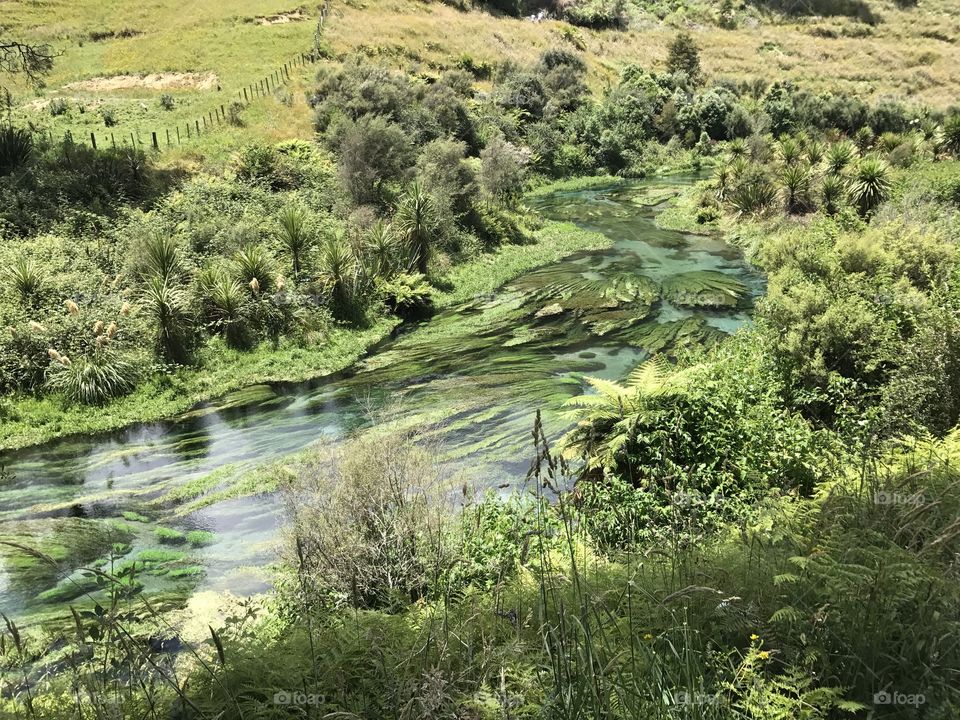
<point>295,235</point>
<point>951,133</point>
<point>16,148</point>
<point>25,279</point>
<point>795,180</point>
<point>871,184</point>
<point>93,380</point>
<point>417,225</point>
<point>160,258</point>
<point>167,307</point>
<point>253,262</point>
<point>832,190</point>
<point>840,155</point>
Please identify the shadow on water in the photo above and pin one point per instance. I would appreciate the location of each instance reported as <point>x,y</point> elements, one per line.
<point>470,378</point>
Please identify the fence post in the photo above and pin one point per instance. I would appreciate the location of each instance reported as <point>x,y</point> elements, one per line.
<point>133,141</point>
<point>188,131</point>
<point>168,138</point>
<point>156,145</point>
<point>178,135</point>
<point>198,127</point>
<point>113,140</point>
<point>245,95</point>
<point>93,140</point>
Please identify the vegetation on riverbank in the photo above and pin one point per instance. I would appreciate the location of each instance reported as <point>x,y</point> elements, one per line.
<point>761,529</point>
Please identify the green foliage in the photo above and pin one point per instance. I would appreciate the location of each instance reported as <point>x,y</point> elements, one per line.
<point>16,148</point>
<point>92,380</point>
<point>294,235</point>
<point>684,57</point>
<point>416,224</point>
<point>167,306</point>
<point>871,184</point>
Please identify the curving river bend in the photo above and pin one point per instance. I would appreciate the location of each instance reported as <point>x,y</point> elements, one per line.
<point>473,376</point>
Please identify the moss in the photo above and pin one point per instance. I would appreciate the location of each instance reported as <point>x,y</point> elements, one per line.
<point>199,538</point>
<point>169,536</point>
<point>134,516</point>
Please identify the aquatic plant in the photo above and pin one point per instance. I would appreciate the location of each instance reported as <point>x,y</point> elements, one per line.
<point>704,288</point>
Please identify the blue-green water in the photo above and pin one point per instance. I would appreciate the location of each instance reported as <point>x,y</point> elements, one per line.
<point>469,379</point>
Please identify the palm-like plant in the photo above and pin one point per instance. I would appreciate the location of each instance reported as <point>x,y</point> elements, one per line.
<point>815,152</point>
<point>25,279</point>
<point>864,138</point>
<point>790,151</point>
<point>871,184</point>
<point>753,193</point>
<point>295,235</point>
<point>796,187</point>
<point>16,147</point>
<point>951,134</point>
<point>167,306</point>
<point>721,180</point>
<point>255,263</point>
<point>338,271</point>
<point>840,155</point>
<point>161,257</point>
<point>227,300</point>
<point>383,250</point>
<point>417,225</point>
<point>832,190</point>
<point>738,148</point>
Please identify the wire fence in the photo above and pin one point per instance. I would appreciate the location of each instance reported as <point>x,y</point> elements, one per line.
<point>226,113</point>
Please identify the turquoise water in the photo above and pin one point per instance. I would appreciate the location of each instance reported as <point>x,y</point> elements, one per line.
<point>471,379</point>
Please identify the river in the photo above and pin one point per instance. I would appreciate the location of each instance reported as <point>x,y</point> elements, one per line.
<point>470,378</point>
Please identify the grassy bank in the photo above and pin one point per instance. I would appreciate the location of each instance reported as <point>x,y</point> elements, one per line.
<point>29,420</point>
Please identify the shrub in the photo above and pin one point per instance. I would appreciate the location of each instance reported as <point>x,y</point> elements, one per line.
<point>839,156</point>
<point>871,184</point>
<point>796,185</point>
<point>951,133</point>
<point>832,191</point>
<point>167,102</point>
<point>408,295</point>
<point>59,106</point>
<point>294,235</point>
<point>92,380</point>
<point>167,307</point>
<point>372,152</point>
<point>16,148</point>
<point>26,280</point>
<point>109,116</point>
<point>753,193</point>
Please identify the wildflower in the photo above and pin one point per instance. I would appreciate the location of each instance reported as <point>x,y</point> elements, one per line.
<point>125,309</point>
<point>754,637</point>
<point>72,307</point>
<point>98,328</point>
<point>763,655</point>
<point>54,355</point>
<point>37,327</point>
<point>255,286</point>
<point>648,637</point>
<point>111,330</point>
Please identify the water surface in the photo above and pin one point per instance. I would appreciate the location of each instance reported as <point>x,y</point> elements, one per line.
<point>471,378</point>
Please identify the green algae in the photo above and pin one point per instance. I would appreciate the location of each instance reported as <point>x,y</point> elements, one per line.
<point>704,288</point>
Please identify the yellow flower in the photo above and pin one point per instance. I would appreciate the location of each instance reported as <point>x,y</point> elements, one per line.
<point>754,637</point>
<point>648,637</point>
<point>763,655</point>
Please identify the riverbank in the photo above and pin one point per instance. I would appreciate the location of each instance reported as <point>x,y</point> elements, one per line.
<point>31,421</point>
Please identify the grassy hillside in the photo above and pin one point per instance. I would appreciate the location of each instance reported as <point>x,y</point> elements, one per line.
<point>908,53</point>
<point>205,53</point>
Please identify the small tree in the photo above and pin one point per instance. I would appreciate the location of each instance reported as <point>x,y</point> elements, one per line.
<point>502,170</point>
<point>684,57</point>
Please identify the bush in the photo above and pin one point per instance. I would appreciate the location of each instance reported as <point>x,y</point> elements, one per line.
<point>167,102</point>
<point>92,380</point>
<point>16,148</point>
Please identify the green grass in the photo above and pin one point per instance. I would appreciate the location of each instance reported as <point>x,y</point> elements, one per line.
<point>34,420</point>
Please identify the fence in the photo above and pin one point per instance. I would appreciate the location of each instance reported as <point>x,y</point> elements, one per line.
<point>167,137</point>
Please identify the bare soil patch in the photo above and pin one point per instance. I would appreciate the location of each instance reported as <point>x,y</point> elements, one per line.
<point>152,81</point>
<point>296,15</point>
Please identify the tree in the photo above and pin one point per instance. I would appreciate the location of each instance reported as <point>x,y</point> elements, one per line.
<point>34,61</point>
<point>502,169</point>
<point>684,57</point>
<point>373,151</point>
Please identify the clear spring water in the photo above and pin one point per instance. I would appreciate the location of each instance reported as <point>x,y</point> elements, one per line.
<point>472,378</point>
